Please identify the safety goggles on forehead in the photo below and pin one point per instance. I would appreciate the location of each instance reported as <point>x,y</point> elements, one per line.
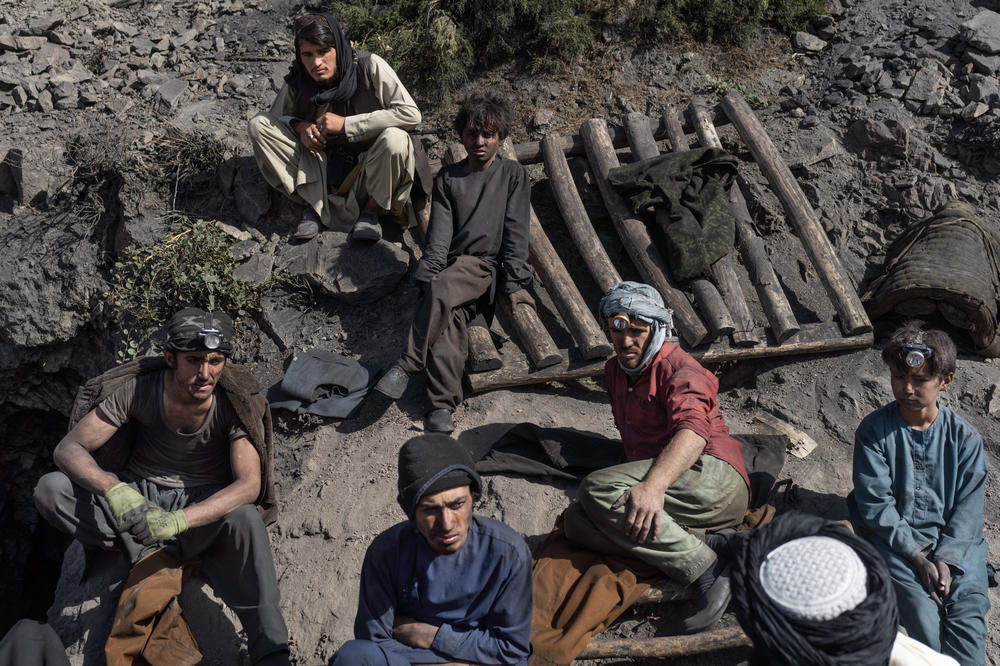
<point>624,320</point>
<point>307,20</point>
<point>914,354</point>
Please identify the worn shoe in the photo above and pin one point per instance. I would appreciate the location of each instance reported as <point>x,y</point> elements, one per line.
<point>367,228</point>
<point>726,542</point>
<point>709,607</point>
<point>439,420</point>
<point>393,383</point>
<point>308,226</point>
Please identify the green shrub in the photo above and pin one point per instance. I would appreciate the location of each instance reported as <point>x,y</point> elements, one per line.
<point>422,43</point>
<point>191,268</point>
<point>788,15</point>
<point>433,43</point>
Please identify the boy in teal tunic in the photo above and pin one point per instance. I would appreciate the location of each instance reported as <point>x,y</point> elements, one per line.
<point>919,474</point>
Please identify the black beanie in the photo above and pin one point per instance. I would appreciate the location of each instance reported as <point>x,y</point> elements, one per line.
<point>430,464</point>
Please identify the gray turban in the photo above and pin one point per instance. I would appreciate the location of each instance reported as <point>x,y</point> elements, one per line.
<point>640,301</point>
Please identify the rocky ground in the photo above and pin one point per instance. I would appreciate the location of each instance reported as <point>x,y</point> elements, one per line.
<point>884,110</point>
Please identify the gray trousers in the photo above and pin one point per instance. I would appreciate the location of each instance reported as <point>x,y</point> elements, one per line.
<point>438,339</point>
<point>234,551</point>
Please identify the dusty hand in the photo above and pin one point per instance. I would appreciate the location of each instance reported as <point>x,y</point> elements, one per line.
<point>521,296</point>
<point>929,576</point>
<point>311,136</point>
<point>165,525</point>
<point>644,507</point>
<point>944,579</point>
<point>408,631</point>
<point>330,123</point>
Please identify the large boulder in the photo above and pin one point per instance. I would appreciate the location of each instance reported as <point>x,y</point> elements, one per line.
<point>350,271</point>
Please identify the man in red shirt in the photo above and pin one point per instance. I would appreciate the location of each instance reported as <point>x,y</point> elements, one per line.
<point>684,471</point>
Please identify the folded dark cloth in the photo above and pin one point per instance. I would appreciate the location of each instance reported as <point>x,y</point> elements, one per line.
<point>554,452</point>
<point>323,383</point>
<point>693,188</point>
<point>571,454</point>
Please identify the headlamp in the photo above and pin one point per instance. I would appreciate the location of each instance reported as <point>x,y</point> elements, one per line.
<point>915,353</point>
<point>621,321</point>
<point>212,337</point>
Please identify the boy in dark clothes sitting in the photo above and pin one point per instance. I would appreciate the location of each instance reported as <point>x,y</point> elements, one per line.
<point>477,237</point>
<point>919,476</point>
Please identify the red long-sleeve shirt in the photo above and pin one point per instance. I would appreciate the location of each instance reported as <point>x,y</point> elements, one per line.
<point>673,391</point>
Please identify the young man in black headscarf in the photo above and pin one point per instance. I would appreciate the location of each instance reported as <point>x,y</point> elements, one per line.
<point>335,137</point>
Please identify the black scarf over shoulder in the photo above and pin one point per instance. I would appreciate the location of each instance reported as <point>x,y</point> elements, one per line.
<point>345,82</point>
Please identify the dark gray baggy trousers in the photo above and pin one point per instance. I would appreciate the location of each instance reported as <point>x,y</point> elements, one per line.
<point>234,551</point>
<point>438,338</point>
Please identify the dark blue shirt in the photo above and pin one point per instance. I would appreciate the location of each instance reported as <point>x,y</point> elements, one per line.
<point>921,490</point>
<point>480,596</point>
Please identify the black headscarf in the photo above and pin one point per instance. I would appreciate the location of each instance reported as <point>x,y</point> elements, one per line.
<point>345,82</point>
<point>861,636</point>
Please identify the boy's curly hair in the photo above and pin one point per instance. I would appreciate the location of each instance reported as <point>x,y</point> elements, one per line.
<point>942,360</point>
<point>485,113</point>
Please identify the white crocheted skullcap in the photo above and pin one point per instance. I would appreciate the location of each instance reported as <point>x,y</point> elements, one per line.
<point>814,578</point>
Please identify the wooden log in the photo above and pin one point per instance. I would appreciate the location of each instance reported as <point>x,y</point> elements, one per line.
<point>818,338</point>
<point>575,215</point>
<point>675,130</point>
<point>723,269</point>
<point>706,296</point>
<point>483,354</point>
<point>842,293</point>
<point>635,237</point>
<point>665,591</point>
<point>535,340</point>
<point>574,145</point>
<point>745,334</point>
<point>762,276</point>
<point>665,647</point>
<point>800,444</point>
<point>772,297</point>
<point>582,325</point>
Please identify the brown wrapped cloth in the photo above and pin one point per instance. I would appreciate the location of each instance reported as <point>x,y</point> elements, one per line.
<point>578,593</point>
<point>944,265</point>
<point>148,626</point>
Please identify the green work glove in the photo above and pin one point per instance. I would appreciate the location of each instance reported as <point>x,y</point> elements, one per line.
<point>129,509</point>
<point>128,506</point>
<point>165,525</point>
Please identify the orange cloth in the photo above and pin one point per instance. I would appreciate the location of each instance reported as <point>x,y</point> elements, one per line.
<point>148,626</point>
<point>578,593</point>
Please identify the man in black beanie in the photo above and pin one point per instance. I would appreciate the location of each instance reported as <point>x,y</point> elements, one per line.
<point>446,585</point>
<point>193,478</point>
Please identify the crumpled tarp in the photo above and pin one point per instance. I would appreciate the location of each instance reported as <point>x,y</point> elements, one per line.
<point>323,383</point>
<point>693,188</point>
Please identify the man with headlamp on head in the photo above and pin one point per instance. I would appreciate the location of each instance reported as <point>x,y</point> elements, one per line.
<point>195,479</point>
<point>684,470</point>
